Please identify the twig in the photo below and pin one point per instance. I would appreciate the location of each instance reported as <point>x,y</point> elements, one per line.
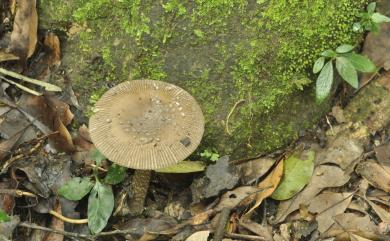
<point>22,87</point>
<point>47,86</point>
<point>223,219</point>
<point>229,115</point>
<point>244,236</point>
<point>65,233</point>
<point>68,220</point>
<point>75,235</point>
<point>17,193</point>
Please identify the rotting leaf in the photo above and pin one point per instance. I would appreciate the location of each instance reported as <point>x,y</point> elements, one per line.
<point>100,206</point>
<point>76,188</point>
<point>115,174</point>
<point>267,187</point>
<point>298,169</point>
<point>328,205</point>
<point>184,167</point>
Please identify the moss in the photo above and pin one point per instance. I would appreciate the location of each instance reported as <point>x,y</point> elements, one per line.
<point>223,52</point>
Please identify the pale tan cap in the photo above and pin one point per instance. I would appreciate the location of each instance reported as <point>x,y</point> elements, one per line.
<point>146,124</point>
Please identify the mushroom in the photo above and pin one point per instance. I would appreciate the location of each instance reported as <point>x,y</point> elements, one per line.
<point>146,125</point>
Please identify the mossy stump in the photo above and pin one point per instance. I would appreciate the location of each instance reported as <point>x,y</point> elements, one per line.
<point>248,63</point>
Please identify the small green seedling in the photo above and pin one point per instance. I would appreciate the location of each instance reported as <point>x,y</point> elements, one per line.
<point>210,155</point>
<point>347,65</point>
<point>4,217</point>
<point>370,20</point>
<point>101,197</point>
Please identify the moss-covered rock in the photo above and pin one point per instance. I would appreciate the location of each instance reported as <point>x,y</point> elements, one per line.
<point>247,62</point>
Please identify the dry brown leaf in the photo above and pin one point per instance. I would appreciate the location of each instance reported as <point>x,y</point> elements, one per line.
<point>54,114</point>
<point>328,205</point>
<point>56,224</point>
<point>255,169</point>
<point>7,145</point>
<point>324,176</point>
<point>268,186</point>
<point>24,33</point>
<point>382,213</point>
<point>376,47</point>
<point>342,151</point>
<point>258,229</point>
<point>383,156</point>
<point>52,49</point>
<point>347,223</point>
<point>355,237</point>
<point>232,198</point>
<point>375,174</point>
<point>199,236</point>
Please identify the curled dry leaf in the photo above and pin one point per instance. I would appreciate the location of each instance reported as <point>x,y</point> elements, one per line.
<point>54,114</point>
<point>383,156</point>
<point>324,176</point>
<point>267,187</point>
<point>375,174</point>
<point>328,205</point>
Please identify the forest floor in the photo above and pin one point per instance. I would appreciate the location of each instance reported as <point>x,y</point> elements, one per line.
<point>331,184</point>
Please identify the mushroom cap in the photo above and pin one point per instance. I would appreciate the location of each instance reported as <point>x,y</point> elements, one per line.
<point>146,124</point>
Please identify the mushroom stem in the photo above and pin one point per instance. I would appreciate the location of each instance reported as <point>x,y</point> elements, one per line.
<point>139,186</point>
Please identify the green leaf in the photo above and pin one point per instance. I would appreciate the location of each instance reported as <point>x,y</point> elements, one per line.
<point>184,167</point>
<point>100,206</point>
<point>347,71</point>
<point>379,18</point>
<point>357,28</point>
<point>298,170</point>
<point>371,8</point>
<point>199,33</point>
<point>344,48</point>
<point>115,174</point>
<point>361,63</point>
<point>318,65</point>
<point>97,156</point>
<point>76,188</point>
<point>324,81</point>
<point>214,157</point>
<point>4,217</point>
<point>329,53</point>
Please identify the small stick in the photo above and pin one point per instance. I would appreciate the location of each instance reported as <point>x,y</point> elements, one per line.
<point>223,219</point>
<point>17,193</point>
<point>229,115</point>
<point>22,87</point>
<point>48,86</point>
<point>68,220</point>
<point>244,236</point>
